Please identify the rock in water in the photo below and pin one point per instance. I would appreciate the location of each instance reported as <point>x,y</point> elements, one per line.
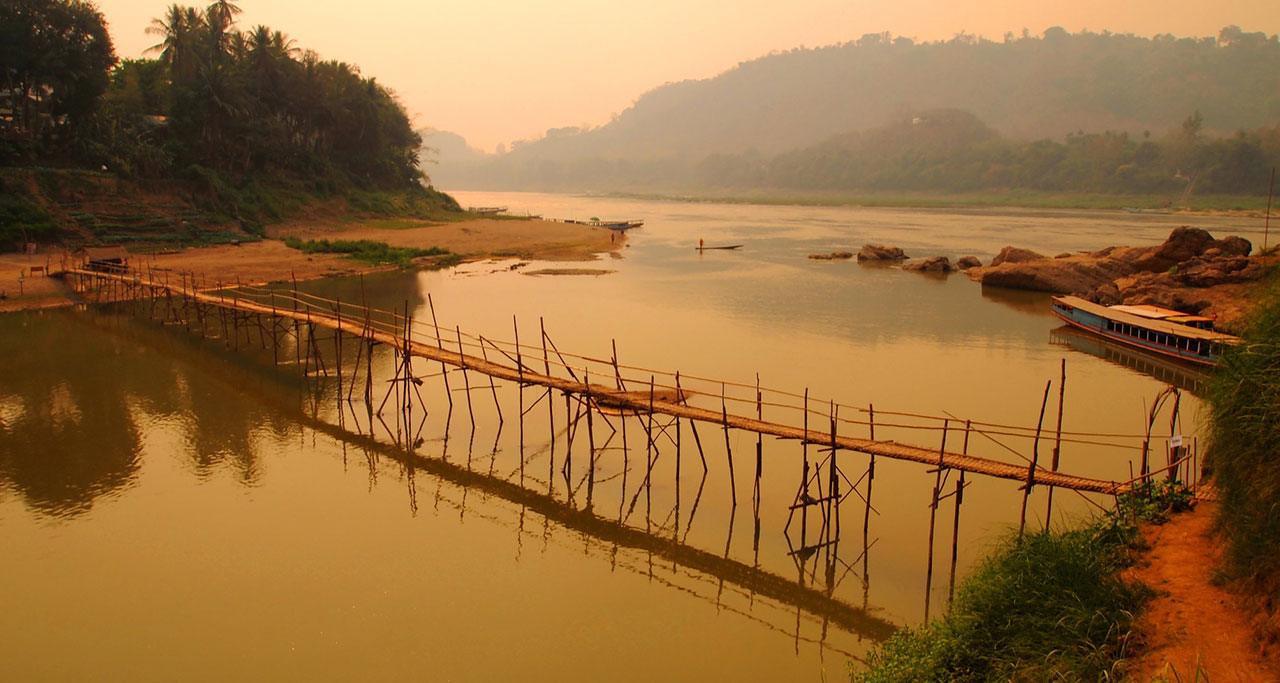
<point>876,252</point>
<point>1015,255</point>
<point>937,264</point>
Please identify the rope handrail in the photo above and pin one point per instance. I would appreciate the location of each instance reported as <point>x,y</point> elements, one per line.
<point>692,387</point>
<point>477,343</point>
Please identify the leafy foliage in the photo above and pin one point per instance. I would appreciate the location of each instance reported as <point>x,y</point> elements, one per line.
<point>367,251</point>
<point>55,56</point>
<point>1047,606</point>
<point>22,221</point>
<point>1244,453</point>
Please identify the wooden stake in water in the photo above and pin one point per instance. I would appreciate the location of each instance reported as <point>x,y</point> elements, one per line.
<point>1057,442</point>
<point>1035,460</point>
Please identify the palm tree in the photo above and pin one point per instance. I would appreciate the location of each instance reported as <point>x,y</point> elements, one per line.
<point>178,29</point>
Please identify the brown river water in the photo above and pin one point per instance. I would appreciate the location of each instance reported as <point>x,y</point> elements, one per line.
<point>173,509</point>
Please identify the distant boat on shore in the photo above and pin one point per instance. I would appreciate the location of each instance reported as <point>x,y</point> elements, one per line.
<point>486,210</point>
<point>1170,333</point>
<point>597,223</point>
<point>1132,209</point>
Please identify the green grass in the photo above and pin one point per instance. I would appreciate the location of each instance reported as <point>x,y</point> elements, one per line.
<point>1048,606</point>
<point>940,200</point>
<point>1244,454</point>
<point>369,251</point>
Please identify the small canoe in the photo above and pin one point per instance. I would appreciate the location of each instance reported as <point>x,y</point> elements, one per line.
<point>731,246</point>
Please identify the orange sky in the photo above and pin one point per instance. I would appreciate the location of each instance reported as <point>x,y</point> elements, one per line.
<point>501,70</point>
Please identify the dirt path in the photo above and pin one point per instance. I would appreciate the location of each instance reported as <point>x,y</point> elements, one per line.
<point>1192,624</point>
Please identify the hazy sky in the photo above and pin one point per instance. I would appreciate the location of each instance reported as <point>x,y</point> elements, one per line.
<point>495,71</point>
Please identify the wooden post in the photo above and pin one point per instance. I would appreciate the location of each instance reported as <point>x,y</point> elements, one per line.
<point>591,440</point>
<point>1035,460</point>
<point>833,486</point>
<point>693,426</point>
<point>871,472</point>
<point>466,381</point>
<point>520,370</point>
<point>955,525</point>
<point>728,449</point>
<point>337,344</point>
<point>551,413</point>
<point>1057,442</point>
<point>933,516</point>
<point>759,448</point>
<point>444,369</point>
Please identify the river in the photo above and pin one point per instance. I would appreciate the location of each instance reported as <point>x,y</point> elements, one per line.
<point>171,508</point>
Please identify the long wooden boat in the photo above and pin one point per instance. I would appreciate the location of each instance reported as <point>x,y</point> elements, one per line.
<point>1170,333</point>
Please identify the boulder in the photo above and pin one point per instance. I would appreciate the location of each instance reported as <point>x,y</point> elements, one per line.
<point>937,264</point>
<point>1219,271</point>
<point>876,252</point>
<point>1015,255</point>
<point>1187,243</point>
<point>1234,246</point>
<point>1107,295</point>
<point>1065,254</point>
<point>833,256</point>
<point>1075,275</point>
<point>967,262</point>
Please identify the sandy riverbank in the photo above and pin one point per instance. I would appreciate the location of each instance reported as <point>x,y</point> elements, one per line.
<point>271,261</point>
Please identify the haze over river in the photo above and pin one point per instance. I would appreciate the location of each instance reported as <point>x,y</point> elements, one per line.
<point>171,509</point>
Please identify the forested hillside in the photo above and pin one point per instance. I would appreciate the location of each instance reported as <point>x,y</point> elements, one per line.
<point>1023,88</point>
<point>240,126</point>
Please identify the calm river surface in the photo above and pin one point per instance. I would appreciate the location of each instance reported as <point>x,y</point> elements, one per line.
<point>171,509</point>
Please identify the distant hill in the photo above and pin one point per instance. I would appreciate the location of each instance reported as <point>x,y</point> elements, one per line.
<point>1025,88</point>
<point>443,151</point>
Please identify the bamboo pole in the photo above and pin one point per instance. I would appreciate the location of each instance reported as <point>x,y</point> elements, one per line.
<point>1035,458</point>
<point>1057,443</point>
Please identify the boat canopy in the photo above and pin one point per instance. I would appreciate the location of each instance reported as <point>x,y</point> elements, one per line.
<point>1158,313</point>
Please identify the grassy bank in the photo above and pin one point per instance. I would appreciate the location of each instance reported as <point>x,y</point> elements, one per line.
<point>1014,198</point>
<point>1047,606</point>
<point>1244,458</point>
<point>369,251</point>
<point>75,207</point>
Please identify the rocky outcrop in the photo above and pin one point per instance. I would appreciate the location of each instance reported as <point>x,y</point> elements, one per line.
<point>967,262</point>
<point>1015,255</point>
<point>1191,271</point>
<point>1191,257</point>
<point>937,264</point>
<point>833,256</point>
<point>876,252</point>
<point>1072,275</point>
<point>1187,243</point>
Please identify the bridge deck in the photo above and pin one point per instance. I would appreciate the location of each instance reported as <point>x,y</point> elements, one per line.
<point>638,401</point>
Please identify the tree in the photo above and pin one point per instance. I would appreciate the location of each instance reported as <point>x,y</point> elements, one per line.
<point>55,59</point>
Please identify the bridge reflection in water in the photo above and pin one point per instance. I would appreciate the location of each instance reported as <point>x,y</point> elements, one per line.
<point>349,354</point>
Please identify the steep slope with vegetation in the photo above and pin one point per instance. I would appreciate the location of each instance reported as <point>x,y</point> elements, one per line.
<point>1244,452</point>
<point>240,127</point>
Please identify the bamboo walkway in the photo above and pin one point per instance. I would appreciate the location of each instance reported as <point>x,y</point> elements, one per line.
<point>403,333</point>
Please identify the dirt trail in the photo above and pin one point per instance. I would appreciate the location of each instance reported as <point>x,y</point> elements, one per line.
<point>1192,624</point>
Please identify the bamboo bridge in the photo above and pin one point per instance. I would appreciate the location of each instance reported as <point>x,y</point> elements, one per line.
<point>672,398</point>
<point>285,320</point>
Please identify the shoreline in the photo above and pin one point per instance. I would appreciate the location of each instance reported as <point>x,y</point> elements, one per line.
<point>269,260</point>
<point>1214,205</point>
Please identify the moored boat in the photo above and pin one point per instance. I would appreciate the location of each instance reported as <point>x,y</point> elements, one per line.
<point>1170,333</point>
